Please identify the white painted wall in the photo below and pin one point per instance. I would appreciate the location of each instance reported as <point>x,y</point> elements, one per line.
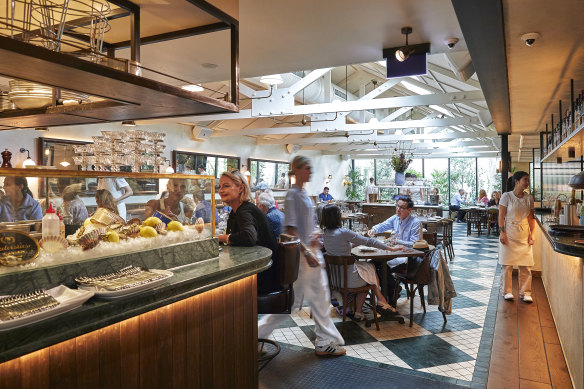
<point>178,138</point>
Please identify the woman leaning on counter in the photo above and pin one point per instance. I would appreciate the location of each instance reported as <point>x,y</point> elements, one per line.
<point>517,225</point>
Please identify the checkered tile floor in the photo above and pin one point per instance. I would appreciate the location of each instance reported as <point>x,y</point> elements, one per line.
<point>457,352</point>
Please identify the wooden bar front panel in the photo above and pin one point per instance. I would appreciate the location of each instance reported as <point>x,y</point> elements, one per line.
<point>208,340</point>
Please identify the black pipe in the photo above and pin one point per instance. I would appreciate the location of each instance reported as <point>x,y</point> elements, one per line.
<point>504,162</point>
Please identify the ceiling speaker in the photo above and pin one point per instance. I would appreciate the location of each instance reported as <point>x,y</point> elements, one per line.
<point>201,134</point>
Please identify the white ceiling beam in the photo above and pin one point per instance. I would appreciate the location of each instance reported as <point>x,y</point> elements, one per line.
<point>382,146</point>
<point>350,127</point>
<point>378,138</point>
<point>387,85</point>
<point>308,79</point>
<point>426,156</point>
<point>246,90</point>
<point>358,105</point>
<point>395,114</point>
<point>450,74</point>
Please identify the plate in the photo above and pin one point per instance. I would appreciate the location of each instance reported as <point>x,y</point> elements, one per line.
<point>69,299</point>
<point>367,249</point>
<point>113,294</point>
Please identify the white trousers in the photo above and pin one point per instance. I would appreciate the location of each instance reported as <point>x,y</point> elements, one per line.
<point>524,279</point>
<point>311,287</point>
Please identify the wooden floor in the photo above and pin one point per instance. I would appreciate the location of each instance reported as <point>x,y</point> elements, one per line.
<point>526,350</point>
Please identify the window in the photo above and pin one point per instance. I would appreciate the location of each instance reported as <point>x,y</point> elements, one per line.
<point>488,178</point>
<point>213,165</point>
<point>463,176</point>
<point>266,174</point>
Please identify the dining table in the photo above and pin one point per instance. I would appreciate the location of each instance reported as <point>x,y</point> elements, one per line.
<point>354,216</point>
<point>362,252</point>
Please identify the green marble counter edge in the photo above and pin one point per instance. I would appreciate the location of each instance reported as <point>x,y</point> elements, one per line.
<point>233,263</point>
<point>561,244</point>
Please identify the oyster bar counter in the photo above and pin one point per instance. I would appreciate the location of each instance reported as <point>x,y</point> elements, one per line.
<point>194,325</point>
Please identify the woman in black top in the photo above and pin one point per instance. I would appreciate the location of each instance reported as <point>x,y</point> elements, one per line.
<point>247,224</point>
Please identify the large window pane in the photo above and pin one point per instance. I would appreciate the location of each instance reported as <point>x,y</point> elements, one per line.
<point>436,172</point>
<point>416,168</point>
<point>488,178</point>
<point>463,176</point>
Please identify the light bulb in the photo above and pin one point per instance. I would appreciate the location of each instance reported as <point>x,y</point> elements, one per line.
<point>28,162</point>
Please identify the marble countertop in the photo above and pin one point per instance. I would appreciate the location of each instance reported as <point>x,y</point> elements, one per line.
<point>233,263</point>
<point>561,244</point>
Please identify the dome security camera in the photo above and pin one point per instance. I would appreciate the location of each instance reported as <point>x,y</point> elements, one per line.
<point>530,38</point>
<point>451,42</point>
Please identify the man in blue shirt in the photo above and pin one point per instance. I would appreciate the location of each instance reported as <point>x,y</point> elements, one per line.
<point>276,218</point>
<point>407,229</point>
<point>325,196</point>
<point>455,204</point>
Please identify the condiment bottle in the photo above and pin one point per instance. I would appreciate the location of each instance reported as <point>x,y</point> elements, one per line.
<point>50,223</point>
<point>61,225</point>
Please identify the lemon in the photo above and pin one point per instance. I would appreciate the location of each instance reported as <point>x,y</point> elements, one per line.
<point>112,236</point>
<point>148,232</point>
<point>174,226</point>
<point>152,221</point>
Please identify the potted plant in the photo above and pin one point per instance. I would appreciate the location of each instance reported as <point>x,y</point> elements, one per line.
<point>354,185</point>
<point>399,163</point>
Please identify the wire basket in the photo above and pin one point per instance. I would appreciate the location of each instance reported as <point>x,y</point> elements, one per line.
<point>73,26</point>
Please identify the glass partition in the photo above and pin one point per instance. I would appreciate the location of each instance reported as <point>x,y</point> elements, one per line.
<point>266,174</point>
<point>113,203</point>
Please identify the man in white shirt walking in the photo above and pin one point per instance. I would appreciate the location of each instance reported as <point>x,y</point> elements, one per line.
<point>371,189</point>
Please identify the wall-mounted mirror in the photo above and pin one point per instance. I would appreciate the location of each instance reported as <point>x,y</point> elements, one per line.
<point>205,164</point>
<point>266,174</point>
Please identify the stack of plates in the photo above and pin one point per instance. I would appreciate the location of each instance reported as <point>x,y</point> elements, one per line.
<point>27,95</point>
<point>5,102</point>
<point>70,97</point>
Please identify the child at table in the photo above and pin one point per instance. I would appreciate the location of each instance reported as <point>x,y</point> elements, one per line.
<point>338,241</point>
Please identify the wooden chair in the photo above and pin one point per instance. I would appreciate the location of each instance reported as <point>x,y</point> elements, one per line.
<point>417,282</point>
<point>337,268</point>
<point>473,220</point>
<point>447,238</point>
<point>492,220</point>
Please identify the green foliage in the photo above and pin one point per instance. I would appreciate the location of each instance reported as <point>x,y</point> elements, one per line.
<point>440,181</point>
<point>355,188</point>
<point>463,175</point>
<point>412,171</point>
<point>399,163</point>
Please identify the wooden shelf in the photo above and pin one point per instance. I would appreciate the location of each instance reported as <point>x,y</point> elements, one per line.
<point>4,172</point>
<point>575,139</point>
<point>130,97</point>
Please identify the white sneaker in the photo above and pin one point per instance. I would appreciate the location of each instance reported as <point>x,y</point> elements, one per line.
<point>527,299</point>
<point>508,296</point>
<point>331,349</point>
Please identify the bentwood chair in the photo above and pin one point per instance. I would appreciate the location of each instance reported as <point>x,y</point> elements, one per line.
<point>337,268</point>
<point>473,220</point>
<point>417,281</point>
<point>447,238</point>
<point>281,299</point>
<point>492,220</point>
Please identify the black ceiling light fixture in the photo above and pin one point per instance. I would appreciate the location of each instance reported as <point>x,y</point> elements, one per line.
<point>404,52</point>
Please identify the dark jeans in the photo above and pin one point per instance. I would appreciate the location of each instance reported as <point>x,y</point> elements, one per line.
<point>459,213</point>
<point>391,281</point>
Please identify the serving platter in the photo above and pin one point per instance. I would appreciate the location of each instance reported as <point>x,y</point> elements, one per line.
<point>113,294</point>
<point>68,299</point>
